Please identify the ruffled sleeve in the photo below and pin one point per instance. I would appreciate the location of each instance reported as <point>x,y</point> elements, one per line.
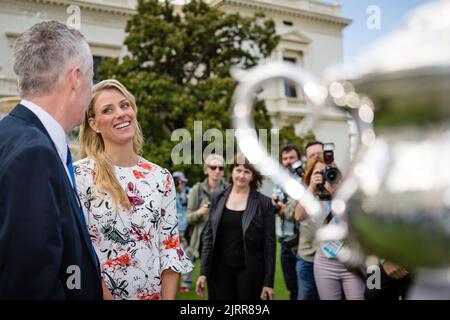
<point>83,170</point>
<point>171,254</point>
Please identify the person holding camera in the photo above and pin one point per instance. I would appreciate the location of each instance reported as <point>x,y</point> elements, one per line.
<point>285,225</point>
<point>306,249</point>
<point>333,279</point>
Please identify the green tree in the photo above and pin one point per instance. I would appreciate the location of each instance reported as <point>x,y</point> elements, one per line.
<point>178,67</point>
<point>288,136</point>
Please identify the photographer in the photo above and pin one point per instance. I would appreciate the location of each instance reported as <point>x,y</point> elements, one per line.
<point>313,149</point>
<point>332,278</point>
<point>307,289</point>
<point>285,224</point>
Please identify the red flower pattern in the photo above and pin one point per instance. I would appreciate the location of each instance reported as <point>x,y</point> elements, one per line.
<point>139,174</point>
<point>146,166</point>
<point>171,242</point>
<point>123,260</point>
<point>150,296</point>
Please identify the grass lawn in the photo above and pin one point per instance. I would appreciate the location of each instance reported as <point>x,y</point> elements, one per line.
<point>281,293</point>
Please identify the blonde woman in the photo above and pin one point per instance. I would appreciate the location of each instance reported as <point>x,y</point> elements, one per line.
<point>129,202</point>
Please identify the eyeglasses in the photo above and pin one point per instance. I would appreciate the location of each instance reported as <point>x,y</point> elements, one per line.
<point>213,168</point>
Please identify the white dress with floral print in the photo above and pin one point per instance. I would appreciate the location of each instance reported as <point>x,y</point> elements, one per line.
<point>133,247</point>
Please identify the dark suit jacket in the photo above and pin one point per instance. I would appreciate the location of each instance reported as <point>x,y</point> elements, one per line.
<point>44,243</point>
<point>258,227</point>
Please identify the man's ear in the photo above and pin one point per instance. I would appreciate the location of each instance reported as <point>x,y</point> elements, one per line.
<point>75,77</point>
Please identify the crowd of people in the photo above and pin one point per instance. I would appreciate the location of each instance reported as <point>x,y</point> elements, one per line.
<point>114,225</point>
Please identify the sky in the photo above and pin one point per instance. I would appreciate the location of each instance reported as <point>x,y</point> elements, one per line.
<point>357,36</point>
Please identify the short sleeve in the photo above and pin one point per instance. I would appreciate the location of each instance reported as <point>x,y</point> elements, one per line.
<point>171,254</point>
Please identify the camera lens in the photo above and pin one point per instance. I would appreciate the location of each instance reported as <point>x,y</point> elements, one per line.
<point>331,175</point>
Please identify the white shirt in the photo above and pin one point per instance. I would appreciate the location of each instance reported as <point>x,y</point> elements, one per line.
<point>54,129</point>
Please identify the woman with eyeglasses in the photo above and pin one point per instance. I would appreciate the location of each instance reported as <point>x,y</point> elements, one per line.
<point>199,201</point>
<point>238,254</point>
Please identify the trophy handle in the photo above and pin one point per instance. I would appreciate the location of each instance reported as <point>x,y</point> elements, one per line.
<point>359,108</point>
<point>249,82</point>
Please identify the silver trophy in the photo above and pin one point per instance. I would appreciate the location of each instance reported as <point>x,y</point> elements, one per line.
<point>395,200</point>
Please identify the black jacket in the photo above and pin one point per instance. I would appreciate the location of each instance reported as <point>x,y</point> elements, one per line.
<point>44,244</point>
<point>258,227</point>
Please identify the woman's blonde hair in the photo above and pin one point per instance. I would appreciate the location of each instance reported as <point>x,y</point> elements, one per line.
<point>93,146</point>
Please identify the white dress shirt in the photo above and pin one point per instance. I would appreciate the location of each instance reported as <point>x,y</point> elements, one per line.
<point>54,129</point>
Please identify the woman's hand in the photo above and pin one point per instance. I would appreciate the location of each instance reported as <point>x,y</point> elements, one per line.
<point>267,293</point>
<point>394,271</point>
<point>200,287</point>
<point>203,210</point>
<point>106,293</point>
<point>316,179</point>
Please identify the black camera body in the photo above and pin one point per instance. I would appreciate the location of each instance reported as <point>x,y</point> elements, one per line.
<point>330,174</point>
<point>277,206</point>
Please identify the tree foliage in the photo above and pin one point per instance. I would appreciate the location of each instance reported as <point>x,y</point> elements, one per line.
<point>288,136</point>
<point>178,68</point>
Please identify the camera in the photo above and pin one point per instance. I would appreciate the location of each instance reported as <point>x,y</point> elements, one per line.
<point>277,206</point>
<point>297,167</point>
<point>330,174</point>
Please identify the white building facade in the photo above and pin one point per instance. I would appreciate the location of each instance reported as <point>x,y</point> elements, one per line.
<point>310,31</point>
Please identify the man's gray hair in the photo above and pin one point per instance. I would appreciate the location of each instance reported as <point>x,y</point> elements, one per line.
<point>42,55</point>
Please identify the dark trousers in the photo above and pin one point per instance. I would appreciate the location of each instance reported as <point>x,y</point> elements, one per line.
<point>288,265</point>
<point>231,283</point>
<point>390,289</point>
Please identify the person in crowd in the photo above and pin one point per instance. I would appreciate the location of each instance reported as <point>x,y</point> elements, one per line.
<point>45,251</point>
<point>129,202</point>
<point>182,198</point>
<point>313,149</point>
<point>307,247</point>
<point>333,279</point>
<point>200,200</point>
<point>238,253</point>
<point>395,281</point>
<point>285,223</point>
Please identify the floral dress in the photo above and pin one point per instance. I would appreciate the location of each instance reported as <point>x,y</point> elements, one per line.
<point>133,247</point>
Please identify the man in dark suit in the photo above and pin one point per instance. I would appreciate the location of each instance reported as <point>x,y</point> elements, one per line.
<point>45,250</point>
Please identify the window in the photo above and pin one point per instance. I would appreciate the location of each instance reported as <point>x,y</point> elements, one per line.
<point>290,88</point>
<point>97,62</point>
<point>288,23</point>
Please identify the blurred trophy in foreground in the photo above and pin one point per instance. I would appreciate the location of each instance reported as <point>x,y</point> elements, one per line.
<point>395,200</point>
